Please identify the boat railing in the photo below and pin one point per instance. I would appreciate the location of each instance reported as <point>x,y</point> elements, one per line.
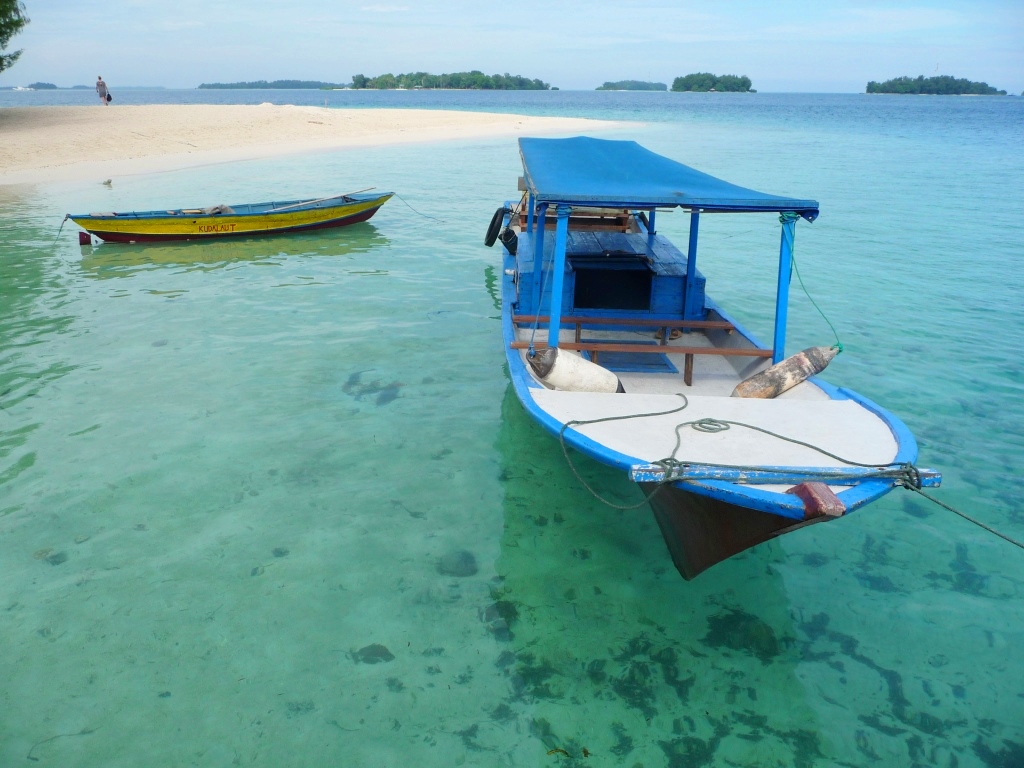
<point>595,348</point>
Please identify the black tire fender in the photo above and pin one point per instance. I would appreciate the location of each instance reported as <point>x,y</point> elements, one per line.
<point>494,227</point>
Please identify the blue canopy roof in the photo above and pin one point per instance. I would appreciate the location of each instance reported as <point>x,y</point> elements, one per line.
<point>622,174</point>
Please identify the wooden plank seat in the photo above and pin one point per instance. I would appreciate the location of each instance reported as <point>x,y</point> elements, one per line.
<point>595,348</point>
<point>586,219</point>
<point>638,322</point>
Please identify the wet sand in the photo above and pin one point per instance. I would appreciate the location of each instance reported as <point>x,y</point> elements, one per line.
<point>44,144</point>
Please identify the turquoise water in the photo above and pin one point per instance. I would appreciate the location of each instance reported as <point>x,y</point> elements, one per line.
<point>273,502</point>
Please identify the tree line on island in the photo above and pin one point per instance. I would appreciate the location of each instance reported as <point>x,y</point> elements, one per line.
<point>700,82</point>
<point>942,85</point>
<point>474,80</point>
<point>705,82</point>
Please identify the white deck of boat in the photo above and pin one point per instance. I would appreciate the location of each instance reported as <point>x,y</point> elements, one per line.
<point>841,427</point>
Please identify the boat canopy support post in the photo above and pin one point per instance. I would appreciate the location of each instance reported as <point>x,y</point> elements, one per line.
<point>538,253</point>
<point>788,220</point>
<point>529,212</point>
<point>558,269</point>
<point>650,227</point>
<point>690,311</point>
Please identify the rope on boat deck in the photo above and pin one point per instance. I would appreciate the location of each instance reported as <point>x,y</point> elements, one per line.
<point>675,469</point>
<point>565,452</point>
<point>905,474</point>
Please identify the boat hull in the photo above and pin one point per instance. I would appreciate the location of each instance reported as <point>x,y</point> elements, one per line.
<point>701,532</point>
<point>140,237</point>
<point>248,221</point>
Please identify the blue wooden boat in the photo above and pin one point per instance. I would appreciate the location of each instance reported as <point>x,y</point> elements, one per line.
<point>614,347</point>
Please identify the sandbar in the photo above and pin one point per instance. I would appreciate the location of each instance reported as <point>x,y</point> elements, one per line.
<point>47,144</point>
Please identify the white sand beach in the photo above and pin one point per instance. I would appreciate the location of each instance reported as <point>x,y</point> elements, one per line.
<point>46,144</point>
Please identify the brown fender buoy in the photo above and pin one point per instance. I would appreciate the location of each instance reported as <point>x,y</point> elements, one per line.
<point>787,374</point>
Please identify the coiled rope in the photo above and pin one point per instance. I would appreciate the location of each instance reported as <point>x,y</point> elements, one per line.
<point>905,475</point>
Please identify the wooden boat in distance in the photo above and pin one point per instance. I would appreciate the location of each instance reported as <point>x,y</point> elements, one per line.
<point>614,347</point>
<point>232,220</point>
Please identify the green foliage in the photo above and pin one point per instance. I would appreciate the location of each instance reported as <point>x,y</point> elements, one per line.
<point>42,86</point>
<point>275,84</point>
<point>12,19</point>
<point>943,85</point>
<point>474,80</point>
<point>632,85</point>
<point>705,81</point>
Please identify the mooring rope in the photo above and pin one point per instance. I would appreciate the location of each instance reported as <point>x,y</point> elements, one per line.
<point>905,475</point>
<point>796,269</point>
<point>60,230</point>
<point>530,352</point>
<point>418,213</point>
<point>966,517</point>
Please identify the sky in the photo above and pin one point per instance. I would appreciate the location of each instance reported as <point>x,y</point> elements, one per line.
<point>803,46</point>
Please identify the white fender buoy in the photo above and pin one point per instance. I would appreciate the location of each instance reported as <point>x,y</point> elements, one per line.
<point>571,373</point>
<point>786,374</point>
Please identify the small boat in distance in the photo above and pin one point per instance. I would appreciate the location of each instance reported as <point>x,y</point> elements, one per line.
<point>615,349</point>
<point>232,220</point>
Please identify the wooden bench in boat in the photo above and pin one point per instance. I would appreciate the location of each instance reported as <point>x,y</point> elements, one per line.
<point>595,348</point>
<point>587,219</point>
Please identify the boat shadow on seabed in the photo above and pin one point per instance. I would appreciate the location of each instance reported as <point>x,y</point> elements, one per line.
<point>607,651</point>
<point>610,651</point>
<point>123,259</point>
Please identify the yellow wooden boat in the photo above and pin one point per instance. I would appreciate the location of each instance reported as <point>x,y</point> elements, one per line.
<point>232,220</point>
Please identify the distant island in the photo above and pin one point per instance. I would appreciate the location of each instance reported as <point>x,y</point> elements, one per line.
<point>704,82</point>
<point>474,80</point>
<point>274,84</point>
<point>632,85</point>
<point>42,86</point>
<point>943,85</point>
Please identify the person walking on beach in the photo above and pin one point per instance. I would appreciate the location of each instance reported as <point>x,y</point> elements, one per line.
<point>101,89</point>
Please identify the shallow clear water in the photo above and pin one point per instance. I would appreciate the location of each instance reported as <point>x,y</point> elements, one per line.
<point>232,475</point>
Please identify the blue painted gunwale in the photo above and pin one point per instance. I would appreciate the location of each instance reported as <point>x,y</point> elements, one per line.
<point>782,504</point>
